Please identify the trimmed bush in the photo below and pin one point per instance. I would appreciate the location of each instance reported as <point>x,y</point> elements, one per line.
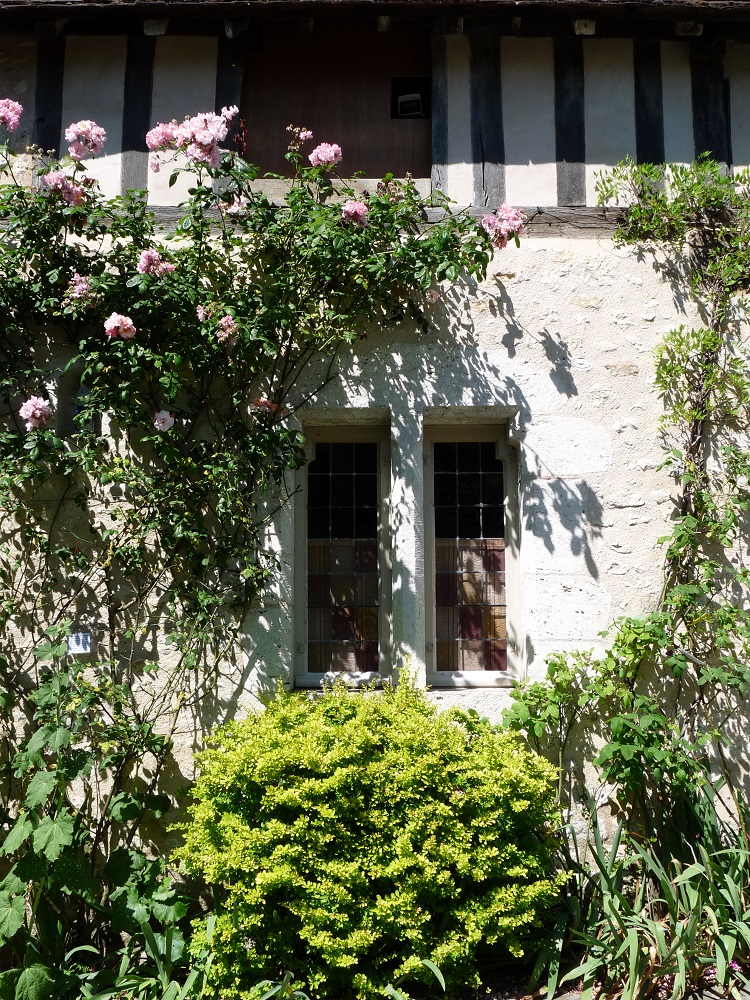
<point>350,835</point>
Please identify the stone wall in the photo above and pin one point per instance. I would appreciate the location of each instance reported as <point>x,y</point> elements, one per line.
<point>557,345</point>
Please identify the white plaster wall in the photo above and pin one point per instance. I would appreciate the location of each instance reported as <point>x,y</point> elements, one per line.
<point>609,106</point>
<point>677,102</point>
<point>527,66</point>
<point>93,88</point>
<point>562,331</point>
<point>184,84</point>
<point>737,70</point>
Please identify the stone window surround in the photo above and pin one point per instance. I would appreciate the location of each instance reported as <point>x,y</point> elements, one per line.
<point>406,539</point>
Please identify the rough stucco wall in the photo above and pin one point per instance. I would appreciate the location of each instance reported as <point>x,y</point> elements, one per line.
<point>562,332</point>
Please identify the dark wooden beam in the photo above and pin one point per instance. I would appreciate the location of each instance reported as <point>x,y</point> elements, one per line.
<point>49,86</point>
<point>710,119</point>
<point>649,109</point>
<point>577,223</point>
<point>570,125</point>
<point>487,138</point>
<point>688,9</point>
<point>439,109</point>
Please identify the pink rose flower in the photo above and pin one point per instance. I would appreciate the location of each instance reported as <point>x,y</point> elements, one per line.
<point>153,163</point>
<point>37,413</point>
<point>57,183</point>
<point>79,287</point>
<point>163,420</point>
<point>200,136</point>
<point>355,211</point>
<point>201,313</point>
<point>432,295</point>
<point>263,405</point>
<point>152,262</point>
<point>10,114</point>
<point>227,332</point>
<point>236,206</point>
<point>85,137</point>
<point>162,136</point>
<point>327,155</point>
<point>119,326</point>
<point>504,224</point>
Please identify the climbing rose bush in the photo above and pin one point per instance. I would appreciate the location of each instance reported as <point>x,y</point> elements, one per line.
<point>203,336</point>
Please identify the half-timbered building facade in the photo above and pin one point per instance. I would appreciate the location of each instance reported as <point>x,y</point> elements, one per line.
<point>485,494</point>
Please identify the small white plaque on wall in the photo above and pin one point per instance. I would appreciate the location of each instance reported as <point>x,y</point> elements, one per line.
<point>79,643</point>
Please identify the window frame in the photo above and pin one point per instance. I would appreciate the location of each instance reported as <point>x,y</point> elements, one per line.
<point>498,434</point>
<point>335,433</point>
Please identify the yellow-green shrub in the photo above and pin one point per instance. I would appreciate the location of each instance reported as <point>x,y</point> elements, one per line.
<point>351,835</point>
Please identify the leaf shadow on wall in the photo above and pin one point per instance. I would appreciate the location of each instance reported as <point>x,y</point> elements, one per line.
<point>555,349</point>
<point>448,378</point>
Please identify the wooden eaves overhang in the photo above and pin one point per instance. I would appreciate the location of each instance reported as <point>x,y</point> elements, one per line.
<point>701,10</point>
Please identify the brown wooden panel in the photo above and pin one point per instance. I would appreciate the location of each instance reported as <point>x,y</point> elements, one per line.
<point>337,82</point>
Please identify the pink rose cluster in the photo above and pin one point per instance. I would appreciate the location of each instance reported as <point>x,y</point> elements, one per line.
<point>355,212</point>
<point>298,136</point>
<point>10,114</point>
<point>57,183</point>
<point>227,332</point>
<point>119,326</point>
<point>300,133</point>
<point>85,137</point>
<point>236,206</point>
<point>79,287</point>
<point>504,224</point>
<point>327,155</point>
<point>163,420</point>
<point>152,262</point>
<point>263,405</point>
<point>197,137</point>
<point>37,412</point>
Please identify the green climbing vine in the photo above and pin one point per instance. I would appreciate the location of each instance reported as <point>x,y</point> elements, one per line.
<point>658,713</point>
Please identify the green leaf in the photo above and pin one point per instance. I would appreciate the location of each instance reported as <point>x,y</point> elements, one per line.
<point>124,807</point>
<point>73,874</point>
<point>119,867</point>
<point>435,971</point>
<point>40,788</point>
<point>17,836</point>
<point>158,804</point>
<point>12,914</point>
<point>8,982</point>
<point>35,983</point>
<point>52,835</point>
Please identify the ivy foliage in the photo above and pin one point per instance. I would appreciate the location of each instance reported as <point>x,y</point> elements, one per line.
<point>351,836</point>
